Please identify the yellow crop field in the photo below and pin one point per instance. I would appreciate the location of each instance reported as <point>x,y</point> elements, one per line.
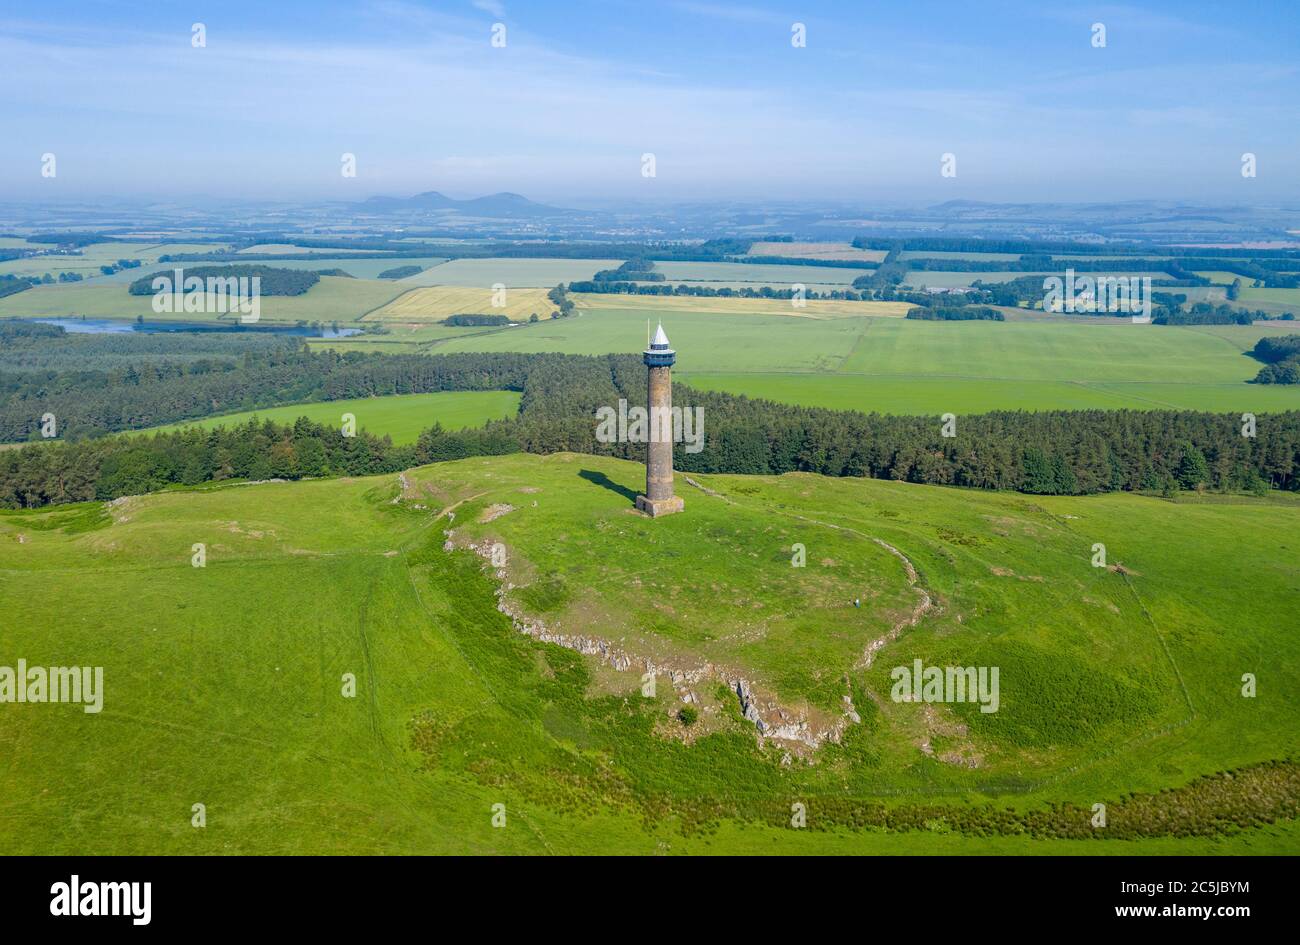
<point>434,303</point>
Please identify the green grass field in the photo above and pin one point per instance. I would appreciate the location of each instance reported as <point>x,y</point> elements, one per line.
<point>401,416</point>
<point>333,298</point>
<point>895,365</point>
<point>228,679</point>
<point>91,257</point>
<point>512,272</point>
<point>717,340</point>
<point>1289,298</point>
<point>829,354</point>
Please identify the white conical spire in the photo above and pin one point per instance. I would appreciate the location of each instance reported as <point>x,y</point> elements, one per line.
<point>660,337</point>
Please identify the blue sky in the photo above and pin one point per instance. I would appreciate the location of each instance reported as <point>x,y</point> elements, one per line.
<point>715,90</point>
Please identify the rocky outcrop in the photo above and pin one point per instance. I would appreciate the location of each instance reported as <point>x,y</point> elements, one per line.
<point>769,719</point>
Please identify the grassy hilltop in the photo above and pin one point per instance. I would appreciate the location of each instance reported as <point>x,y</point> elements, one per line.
<point>223,683</point>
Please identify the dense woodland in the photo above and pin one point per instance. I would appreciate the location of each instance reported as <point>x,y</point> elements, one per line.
<point>1281,357</point>
<point>1054,452</point>
<point>96,384</point>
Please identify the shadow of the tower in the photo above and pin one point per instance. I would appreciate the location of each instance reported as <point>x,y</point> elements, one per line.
<point>600,479</point>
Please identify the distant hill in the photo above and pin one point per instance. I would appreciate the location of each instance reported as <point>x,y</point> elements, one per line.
<point>493,205</point>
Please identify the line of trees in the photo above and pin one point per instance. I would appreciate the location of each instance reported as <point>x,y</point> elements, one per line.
<point>475,320</point>
<point>1053,452</point>
<point>559,296</point>
<point>975,244</point>
<point>705,291</point>
<point>1083,451</point>
<point>955,313</point>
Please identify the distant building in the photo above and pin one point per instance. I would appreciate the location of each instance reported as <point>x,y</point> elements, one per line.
<point>659,499</point>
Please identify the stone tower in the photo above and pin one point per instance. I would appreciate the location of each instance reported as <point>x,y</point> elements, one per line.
<point>659,499</point>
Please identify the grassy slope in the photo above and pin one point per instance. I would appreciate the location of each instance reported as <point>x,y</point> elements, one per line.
<point>223,682</point>
<point>402,416</point>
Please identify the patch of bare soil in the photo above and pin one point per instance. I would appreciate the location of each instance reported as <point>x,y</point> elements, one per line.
<point>494,512</point>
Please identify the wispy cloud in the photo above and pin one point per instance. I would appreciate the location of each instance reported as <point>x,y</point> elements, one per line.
<point>425,101</point>
<point>493,7</point>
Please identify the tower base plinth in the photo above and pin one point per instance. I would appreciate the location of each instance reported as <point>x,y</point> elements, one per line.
<point>657,507</point>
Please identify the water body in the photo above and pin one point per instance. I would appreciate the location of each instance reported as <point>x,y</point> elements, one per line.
<point>107,326</point>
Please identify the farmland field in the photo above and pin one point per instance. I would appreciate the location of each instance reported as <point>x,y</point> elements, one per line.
<point>956,254</point>
<point>291,249</point>
<point>921,278</point>
<point>435,303</point>
<point>91,257</point>
<point>1286,297</point>
<point>1224,278</point>
<point>333,298</point>
<point>401,416</point>
<point>828,357</point>
<point>402,337</point>
<point>774,274</point>
<point>809,286</point>
<point>716,334</point>
<point>921,394</point>
<point>513,272</point>
<point>358,268</point>
<point>829,251</point>
<point>456,711</point>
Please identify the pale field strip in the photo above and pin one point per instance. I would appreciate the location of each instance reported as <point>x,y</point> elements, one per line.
<point>1220,277</point>
<point>829,251</point>
<point>434,303</point>
<point>696,305</point>
<point>289,249</point>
